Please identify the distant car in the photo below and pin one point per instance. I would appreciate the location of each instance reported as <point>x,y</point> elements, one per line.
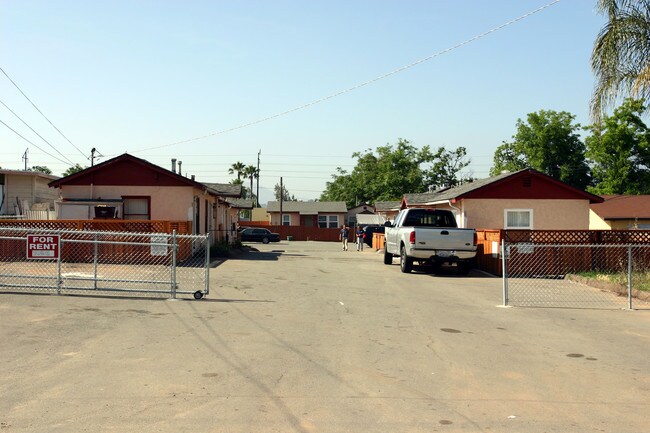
<point>369,230</point>
<point>258,235</point>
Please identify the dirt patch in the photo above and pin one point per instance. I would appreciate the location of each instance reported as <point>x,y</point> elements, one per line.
<point>609,286</point>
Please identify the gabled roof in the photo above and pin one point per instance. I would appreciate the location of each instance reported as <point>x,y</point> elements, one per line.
<point>383,206</point>
<point>225,189</point>
<point>308,207</point>
<point>29,173</point>
<point>240,203</point>
<point>623,207</point>
<point>522,184</point>
<point>106,170</point>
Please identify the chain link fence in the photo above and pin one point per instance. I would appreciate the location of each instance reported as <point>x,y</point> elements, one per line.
<point>72,261</point>
<point>576,275</point>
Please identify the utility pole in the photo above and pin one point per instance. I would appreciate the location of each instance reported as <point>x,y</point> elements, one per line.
<point>258,178</point>
<point>281,194</point>
<point>25,158</point>
<point>92,156</point>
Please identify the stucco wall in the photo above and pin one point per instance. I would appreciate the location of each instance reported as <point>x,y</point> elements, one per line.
<point>629,224</point>
<point>547,214</point>
<point>167,203</point>
<point>295,218</point>
<point>259,214</point>
<point>596,222</point>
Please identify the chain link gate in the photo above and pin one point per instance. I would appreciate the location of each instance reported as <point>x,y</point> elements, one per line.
<point>72,261</point>
<point>576,275</point>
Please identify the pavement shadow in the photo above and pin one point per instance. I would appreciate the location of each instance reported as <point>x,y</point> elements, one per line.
<point>253,254</point>
<point>450,272</point>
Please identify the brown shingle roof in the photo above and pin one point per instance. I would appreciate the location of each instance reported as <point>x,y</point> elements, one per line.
<point>623,207</point>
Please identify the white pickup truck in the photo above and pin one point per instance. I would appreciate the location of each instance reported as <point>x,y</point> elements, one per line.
<point>429,236</point>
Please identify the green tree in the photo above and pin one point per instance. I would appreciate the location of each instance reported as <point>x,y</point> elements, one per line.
<point>446,168</point>
<point>74,169</point>
<point>385,174</point>
<point>620,150</point>
<point>391,171</point>
<point>251,172</point>
<point>238,168</point>
<point>620,57</point>
<point>548,142</point>
<point>285,194</point>
<point>41,169</point>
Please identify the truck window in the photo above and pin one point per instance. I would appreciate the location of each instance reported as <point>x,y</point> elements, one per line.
<point>429,218</point>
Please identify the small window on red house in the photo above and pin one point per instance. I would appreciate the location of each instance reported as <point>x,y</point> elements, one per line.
<point>136,208</point>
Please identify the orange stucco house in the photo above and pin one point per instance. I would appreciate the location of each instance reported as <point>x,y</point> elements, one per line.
<point>525,199</point>
<point>130,188</point>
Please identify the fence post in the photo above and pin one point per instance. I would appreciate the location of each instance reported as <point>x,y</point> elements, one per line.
<point>207,264</point>
<point>504,271</point>
<point>59,280</point>
<point>95,260</point>
<point>629,277</point>
<point>174,247</point>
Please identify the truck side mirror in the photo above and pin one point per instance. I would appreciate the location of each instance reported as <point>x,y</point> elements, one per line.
<point>388,224</point>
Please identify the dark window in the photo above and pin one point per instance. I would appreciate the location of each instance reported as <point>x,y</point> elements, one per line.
<point>136,208</point>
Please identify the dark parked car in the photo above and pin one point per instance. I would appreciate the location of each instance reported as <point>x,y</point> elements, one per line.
<point>369,230</point>
<point>258,235</point>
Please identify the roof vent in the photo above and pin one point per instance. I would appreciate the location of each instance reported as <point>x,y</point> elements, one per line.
<point>174,165</point>
<point>527,182</point>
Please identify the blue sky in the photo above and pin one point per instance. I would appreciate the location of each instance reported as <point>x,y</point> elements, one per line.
<point>137,76</point>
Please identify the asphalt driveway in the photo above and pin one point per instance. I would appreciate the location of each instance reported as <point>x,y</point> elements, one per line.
<point>303,337</point>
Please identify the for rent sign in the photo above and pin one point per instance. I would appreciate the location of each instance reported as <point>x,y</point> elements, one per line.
<point>42,246</point>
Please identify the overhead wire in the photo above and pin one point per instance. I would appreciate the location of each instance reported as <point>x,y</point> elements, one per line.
<point>365,83</point>
<point>32,129</point>
<point>30,142</point>
<point>40,112</point>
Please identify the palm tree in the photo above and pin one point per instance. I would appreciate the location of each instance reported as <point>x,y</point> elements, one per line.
<point>251,172</point>
<point>238,168</point>
<point>621,55</point>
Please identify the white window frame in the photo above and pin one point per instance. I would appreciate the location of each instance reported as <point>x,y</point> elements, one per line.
<point>331,221</point>
<point>505,219</point>
<point>286,220</point>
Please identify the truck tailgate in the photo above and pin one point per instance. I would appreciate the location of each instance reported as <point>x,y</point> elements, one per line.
<point>430,238</point>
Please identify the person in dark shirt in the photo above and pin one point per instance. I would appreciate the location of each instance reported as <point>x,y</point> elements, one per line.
<point>343,236</point>
<point>360,236</point>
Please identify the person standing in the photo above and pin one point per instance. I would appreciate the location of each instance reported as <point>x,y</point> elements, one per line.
<point>343,236</point>
<point>360,236</point>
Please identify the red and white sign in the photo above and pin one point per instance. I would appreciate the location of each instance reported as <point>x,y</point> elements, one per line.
<point>42,246</point>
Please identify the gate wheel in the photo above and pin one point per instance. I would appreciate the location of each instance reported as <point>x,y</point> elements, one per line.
<point>198,294</point>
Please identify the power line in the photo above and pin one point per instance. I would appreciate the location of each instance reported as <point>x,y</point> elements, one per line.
<point>32,129</point>
<point>41,113</point>
<point>366,83</point>
<point>18,134</point>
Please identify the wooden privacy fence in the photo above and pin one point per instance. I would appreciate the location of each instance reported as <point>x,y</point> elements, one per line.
<point>112,225</point>
<point>539,246</point>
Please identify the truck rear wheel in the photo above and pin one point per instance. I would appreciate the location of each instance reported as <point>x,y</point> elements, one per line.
<point>463,268</point>
<point>405,262</point>
<point>388,258</point>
